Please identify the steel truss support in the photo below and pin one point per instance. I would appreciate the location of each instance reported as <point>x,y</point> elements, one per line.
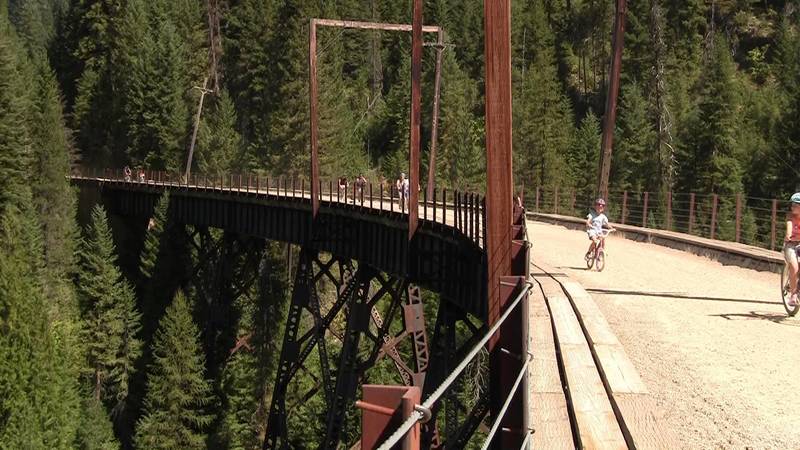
<point>226,269</point>
<point>368,303</point>
<point>454,335</point>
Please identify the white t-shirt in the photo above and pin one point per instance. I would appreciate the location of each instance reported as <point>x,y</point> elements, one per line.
<point>598,220</point>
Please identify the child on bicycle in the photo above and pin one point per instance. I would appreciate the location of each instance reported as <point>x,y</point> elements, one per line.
<point>596,220</point>
<point>790,245</point>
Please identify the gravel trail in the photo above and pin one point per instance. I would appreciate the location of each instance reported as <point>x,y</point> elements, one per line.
<point>712,342</point>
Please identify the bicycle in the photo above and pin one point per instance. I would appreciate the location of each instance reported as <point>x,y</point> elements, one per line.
<point>597,258</point>
<point>786,292</point>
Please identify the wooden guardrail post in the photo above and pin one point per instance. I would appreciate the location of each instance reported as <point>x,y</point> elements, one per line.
<point>669,211</point>
<point>738,217</point>
<point>537,198</point>
<point>774,219</point>
<point>624,206</point>
<point>644,209</point>
<point>714,203</point>
<point>691,212</point>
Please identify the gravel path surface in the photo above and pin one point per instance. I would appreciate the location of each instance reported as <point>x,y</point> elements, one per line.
<point>712,342</point>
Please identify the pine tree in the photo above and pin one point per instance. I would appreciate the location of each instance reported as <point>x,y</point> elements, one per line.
<point>15,148</point>
<point>787,142</point>
<point>38,397</point>
<point>248,31</point>
<point>178,395</point>
<point>87,74</point>
<point>218,143</point>
<point>711,157</point>
<point>543,126</point>
<point>461,161</point>
<point>155,114</point>
<point>152,240</point>
<point>633,166</point>
<point>95,432</point>
<point>584,156</point>
<point>111,320</point>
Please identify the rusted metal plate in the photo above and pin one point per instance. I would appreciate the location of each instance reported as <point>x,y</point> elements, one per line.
<point>376,422</point>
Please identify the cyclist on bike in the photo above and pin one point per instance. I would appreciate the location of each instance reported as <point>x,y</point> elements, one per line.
<point>596,220</point>
<point>790,245</point>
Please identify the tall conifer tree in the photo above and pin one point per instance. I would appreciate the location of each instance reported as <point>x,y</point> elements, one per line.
<point>178,395</point>
<point>111,319</point>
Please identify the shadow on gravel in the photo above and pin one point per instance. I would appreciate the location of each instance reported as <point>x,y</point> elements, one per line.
<point>781,319</point>
<point>583,268</point>
<point>680,295</point>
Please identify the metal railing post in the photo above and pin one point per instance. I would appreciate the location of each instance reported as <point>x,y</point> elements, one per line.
<point>774,220</point>
<point>572,203</point>
<point>669,211</point>
<point>555,201</point>
<point>624,207</point>
<point>691,212</point>
<point>738,217</point>
<point>714,202</point>
<point>644,209</point>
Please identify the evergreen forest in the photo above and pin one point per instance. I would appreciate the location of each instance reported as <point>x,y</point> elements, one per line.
<point>110,333</point>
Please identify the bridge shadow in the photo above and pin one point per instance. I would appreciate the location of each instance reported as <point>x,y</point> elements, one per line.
<point>679,295</point>
<point>781,319</point>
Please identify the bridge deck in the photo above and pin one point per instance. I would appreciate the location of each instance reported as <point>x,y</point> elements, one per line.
<point>445,255</point>
<point>585,392</point>
<point>712,342</point>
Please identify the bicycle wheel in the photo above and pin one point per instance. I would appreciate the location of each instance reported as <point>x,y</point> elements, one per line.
<point>601,260</point>
<point>785,293</point>
<point>590,261</point>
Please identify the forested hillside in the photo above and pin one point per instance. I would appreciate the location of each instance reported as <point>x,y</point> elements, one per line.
<point>96,334</point>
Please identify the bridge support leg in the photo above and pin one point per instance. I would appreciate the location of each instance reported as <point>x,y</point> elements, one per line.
<point>298,346</point>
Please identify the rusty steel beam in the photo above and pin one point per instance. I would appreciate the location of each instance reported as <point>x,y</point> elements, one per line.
<point>314,96</point>
<point>437,89</point>
<point>499,175</point>
<point>374,25</point>
<point>416,118</point>
<point>610,118</point>
<point>313,114</point>
<point>506,254</point>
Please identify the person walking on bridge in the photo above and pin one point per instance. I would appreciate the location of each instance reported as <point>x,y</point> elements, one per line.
<point>791,243</point>
<point>402,190</point>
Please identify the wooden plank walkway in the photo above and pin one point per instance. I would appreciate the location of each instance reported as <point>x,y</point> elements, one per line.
<point>549,414</point>
<point>607,404</point>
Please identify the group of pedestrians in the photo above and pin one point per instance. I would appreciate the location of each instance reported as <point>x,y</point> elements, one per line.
<point>128,174</point>
<point>401,186</point>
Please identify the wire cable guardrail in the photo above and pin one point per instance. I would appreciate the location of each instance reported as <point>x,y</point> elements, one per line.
<point>755,221</point>
<point>423,411</point>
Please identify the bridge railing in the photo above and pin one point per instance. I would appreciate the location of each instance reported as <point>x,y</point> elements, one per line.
<point>463,211</point>
<point>736,218</point>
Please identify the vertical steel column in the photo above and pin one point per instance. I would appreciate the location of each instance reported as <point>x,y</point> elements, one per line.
<point>714,202</point>
<point>610,117</point>
<point>313,106</point>
<point>738,217</point>
<point>500,218</point>
<point>774,220</point>
<point>416,117</point>
<point>644,209</point>
<point>437,88</point>
<point>669,211</point>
